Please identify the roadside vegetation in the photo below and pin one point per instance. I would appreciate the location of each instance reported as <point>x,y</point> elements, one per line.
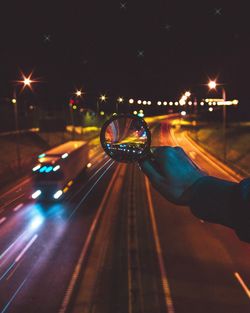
<point>211,138</point>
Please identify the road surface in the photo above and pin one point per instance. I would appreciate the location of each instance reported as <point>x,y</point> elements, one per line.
<point>116,245</point>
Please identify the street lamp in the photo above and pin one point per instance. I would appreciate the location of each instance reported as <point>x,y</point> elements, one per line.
<point>78,93</point>
<point>26,82</point>
<point>119,100</point>
<point>102,98</point>
<point>212,84</point>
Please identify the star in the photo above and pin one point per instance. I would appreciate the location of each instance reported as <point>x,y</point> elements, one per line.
<point>123,5</point>
<point>140,53</point>
<point>46,38</point>
<point>84,61</point>
<point>167,27</point>
<point>217,11</point>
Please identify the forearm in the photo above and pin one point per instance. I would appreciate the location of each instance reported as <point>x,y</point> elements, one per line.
<point>219,201</point>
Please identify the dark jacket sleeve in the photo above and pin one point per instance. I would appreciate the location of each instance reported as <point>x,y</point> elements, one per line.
<point>223,202</point>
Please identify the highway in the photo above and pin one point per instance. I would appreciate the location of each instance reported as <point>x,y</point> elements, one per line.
<point>116,245</point>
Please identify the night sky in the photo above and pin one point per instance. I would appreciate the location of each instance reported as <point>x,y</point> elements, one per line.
<point>152,50</point>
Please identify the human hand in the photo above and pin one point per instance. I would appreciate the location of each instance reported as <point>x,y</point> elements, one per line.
<point>172,173</point>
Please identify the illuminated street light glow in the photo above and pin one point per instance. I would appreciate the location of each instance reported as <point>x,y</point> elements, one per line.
<point>135,112</point>
<point>149,102</point>
<point>13,101</point>
<point>139,101</point>
<point>144,102</point>
<point>27,81</point>
<point>212,84</point>
<point>210,109</point>
<point>170,103</point>
<point>187,93</point>
<point>103,98</point>
<point>159,103</point>
<point>131,101</point>
<point>165,103</point>
<point>79,93</point>
<point>120,99</point>
<point>176,103</point>
<point>183,113</point>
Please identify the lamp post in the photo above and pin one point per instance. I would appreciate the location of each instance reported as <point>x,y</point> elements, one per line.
<point>118,101</point>
<point>18,154</point>
<point>25,82</point>
<point>72,106</point>
<point>102,98</point>
<point>213,85</point>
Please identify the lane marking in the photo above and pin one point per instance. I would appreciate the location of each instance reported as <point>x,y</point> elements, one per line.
<point>29,244</point>
<point>2,220</point>
<point>86,245</point>
<point>18,207</point>
<point>164,279</point>
<point>242,283</point>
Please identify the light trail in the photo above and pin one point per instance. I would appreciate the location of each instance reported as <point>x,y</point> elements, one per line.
<point>242,283</point>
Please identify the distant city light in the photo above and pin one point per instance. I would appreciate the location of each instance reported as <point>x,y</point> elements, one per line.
<point>159,103</point>
<point>149,102</point>
<point>131,101</point>
<point>144,102</point>
<point>165,103</point>
<point>183,113</point>
<point>187,93</point>
<point>139,101</point>
<point>135,112</point>
<point>13,100</point>
<point>210,109</point>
